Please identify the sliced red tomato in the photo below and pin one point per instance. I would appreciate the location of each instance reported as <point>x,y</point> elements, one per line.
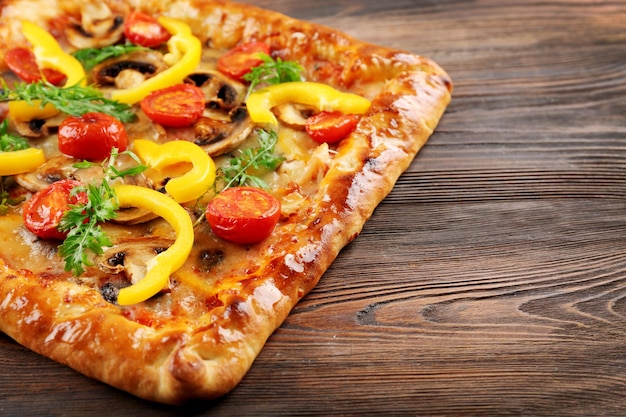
<point>238,61</point>
<point>91,136</point>
<point>243,215</point>
<point>43,212</point>
<point>175,106</point>
<point>330,127</point>
<point>22,62</point>
<point>144,30</point>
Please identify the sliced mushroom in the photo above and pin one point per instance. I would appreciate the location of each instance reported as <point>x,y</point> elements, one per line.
<point>293,115</point>
<point>62,167</point>
<point>218,137</point>
<point>220,91</point>
<point>131,256</point>
<point>98,27</point>
<point>53,170</point>
<point>225,123</point>
<point>128,70</point>
<point>133,215</point>
<point>39,128</point>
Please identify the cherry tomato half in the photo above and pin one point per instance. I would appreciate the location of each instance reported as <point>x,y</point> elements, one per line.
<point>243,215</point>
<point>175,106</point>
<point>330,127</point>
<point>241,59</point>
<point>91,136</point>
<point>144,30</point>
<point>43,212</point>
<point>22,62</point>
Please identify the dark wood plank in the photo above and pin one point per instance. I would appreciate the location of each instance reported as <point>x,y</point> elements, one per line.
<point>492,280</point>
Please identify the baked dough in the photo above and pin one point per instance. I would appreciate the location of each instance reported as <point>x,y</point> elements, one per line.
<point>204,335</point>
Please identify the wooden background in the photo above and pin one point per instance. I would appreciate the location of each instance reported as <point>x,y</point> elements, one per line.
<point>492,280</point>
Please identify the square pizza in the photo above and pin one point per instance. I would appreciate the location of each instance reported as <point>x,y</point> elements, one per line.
<point>176,175</point>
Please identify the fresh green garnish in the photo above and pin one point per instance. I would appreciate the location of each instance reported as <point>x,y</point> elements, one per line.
<point>90,57</point>
<point>5,199</point>
<point>273,71</point>
<point>240,170</point>
<point>82,221</point>
<point>75,100</point>
<point>10,142</point>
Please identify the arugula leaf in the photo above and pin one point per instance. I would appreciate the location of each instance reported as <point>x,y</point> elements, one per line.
<point>239,170</point>
<point>82,221</point>
<point>273,71</point>
<point>10,142</point>
<point>5,199</point>
<point>90,57</point>
<point>75,100</point>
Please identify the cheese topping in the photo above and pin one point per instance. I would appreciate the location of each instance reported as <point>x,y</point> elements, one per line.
<point>186,170</point>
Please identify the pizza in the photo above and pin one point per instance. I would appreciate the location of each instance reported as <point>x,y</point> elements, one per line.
<point>177,175</point>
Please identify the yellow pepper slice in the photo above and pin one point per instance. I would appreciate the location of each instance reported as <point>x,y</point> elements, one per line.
<point>185,52</point>
<point>22,111</point>
<point>48,54</point>
<point>191,185</point>
<point>18,162</point>
<point>321,96</point>
<point>165,263</point>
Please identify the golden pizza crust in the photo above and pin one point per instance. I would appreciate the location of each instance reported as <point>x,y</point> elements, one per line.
<point>206,355</point>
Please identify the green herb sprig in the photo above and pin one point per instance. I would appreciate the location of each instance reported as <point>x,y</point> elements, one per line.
<point>273,71</point>
<point>239,170</point>
<point>6,201</point>
<point>75,100</point>
<point>82,221</point>
<point>90,57</point>
<point>10,142</point>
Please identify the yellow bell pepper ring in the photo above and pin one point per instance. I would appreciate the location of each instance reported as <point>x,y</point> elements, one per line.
<point>167,262</point>
<point>22,111</point>
<point>191,185</point>
<point>48,54</point>
<point>185,52</point>
<point>19,162</point>
<point>321,96</point>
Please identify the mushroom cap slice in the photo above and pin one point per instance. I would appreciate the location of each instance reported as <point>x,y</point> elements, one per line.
<point>220,92</point>
<point>62,167</point>
<point>131,256</point>
<point>98,27</point>
<point>218,137</point>
<point>144,62</point>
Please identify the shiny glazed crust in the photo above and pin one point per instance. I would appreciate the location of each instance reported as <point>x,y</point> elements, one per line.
<point>206,356</point>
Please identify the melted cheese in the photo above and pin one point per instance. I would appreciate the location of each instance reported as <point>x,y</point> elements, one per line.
<point>214,266</point>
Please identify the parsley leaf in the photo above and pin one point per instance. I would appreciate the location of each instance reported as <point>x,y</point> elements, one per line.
<point>75,100</point>
<point>10,142</point>
<point>273,71</point>
<point>240,170</point>
<point>90,57</point>
<point>82,221</point>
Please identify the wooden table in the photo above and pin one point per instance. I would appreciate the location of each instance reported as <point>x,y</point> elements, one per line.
<point>492,280</point>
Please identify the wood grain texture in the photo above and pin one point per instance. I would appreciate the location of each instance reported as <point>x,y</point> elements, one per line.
<point>492,280</point>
